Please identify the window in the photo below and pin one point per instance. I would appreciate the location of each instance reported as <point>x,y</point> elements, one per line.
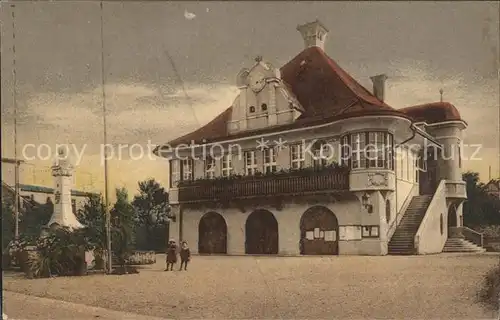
<point>175,173</point>
<point>227,165</point>
<point>441,224</point>
<point>358,151</point>
<point>319,154</point>
<point>297,157</point>
<point>187,169</point>
<point>263,107</point>
<point>368,150</point>
<point>459,157</point>
<point>270,160</point>
<point>417,172</point>
<point>73,205</point>
<point>250,163</point>
<point>209,167</point>
<point>370,232</point>
<point>388,211</point>
<point>346,147</point>
<point>252,109</point>
<point>389,146</point>
<point>376,151</point>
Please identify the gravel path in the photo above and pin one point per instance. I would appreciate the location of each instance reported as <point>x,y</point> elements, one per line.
<point>438,286</point>
<point>19,306</point>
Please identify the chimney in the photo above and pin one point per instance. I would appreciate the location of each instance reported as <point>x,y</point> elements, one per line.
<point>314,34</point>
<point>379,86</point>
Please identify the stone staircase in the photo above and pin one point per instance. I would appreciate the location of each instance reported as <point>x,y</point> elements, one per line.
<point>402,242</point>
<point>461,245</point>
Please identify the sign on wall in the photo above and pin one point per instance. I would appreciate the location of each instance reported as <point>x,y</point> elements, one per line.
<point>350,233</point>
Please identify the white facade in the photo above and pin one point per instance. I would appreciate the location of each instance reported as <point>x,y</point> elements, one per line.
<point>365,201</point>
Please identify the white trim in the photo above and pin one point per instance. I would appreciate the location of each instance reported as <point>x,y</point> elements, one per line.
<point>272,159</point>
<point>175,171</point>
<point>448,137</point>
<point>448,123</point>
<point>301,156</point>
<point>187,174</point>
<point>228,170</point>
<point>285,132</point>
<point>209,173</point>
<point>253,166</point>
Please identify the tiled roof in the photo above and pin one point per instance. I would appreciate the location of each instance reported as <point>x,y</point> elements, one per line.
<point>433,112</point>
<point>327,93</point>
<point>42,189</point>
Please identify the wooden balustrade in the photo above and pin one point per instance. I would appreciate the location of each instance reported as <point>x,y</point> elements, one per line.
<point>260,186</point>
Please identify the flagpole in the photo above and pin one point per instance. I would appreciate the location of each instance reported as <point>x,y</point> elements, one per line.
<point>14,102</point>
<point>104,111</point>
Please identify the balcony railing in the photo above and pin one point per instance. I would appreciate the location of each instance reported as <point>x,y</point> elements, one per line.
<point>265,186</point>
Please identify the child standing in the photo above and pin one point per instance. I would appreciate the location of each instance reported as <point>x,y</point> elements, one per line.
<point>171,255</point>
<point>185,255</point>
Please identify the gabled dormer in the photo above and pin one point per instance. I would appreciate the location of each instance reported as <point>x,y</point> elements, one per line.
<point>264,99</point>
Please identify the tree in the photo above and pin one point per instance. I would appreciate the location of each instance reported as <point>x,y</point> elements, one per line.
<point>93,216</point>
<point>122,221</point>
<point>35,217</point>
<point>480,208</point>
<point>152,209</point>
<point>8,223</point>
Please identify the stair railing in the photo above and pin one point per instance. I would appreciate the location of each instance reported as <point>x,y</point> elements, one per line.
<point>473,236</point>
<point>400,214</point>
<point>436,197</point>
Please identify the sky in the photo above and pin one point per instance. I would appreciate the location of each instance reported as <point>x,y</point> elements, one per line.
<point>421,46</point>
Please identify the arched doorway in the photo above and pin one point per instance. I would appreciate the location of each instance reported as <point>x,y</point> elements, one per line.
<point>452,216</point>
<point>212,234</point>
<point>319,232</point>
<point>261,233</point>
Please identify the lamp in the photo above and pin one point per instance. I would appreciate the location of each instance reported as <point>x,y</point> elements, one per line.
<point>365,201</point>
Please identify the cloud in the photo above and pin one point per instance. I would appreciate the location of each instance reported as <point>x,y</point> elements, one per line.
<point>135,114</point>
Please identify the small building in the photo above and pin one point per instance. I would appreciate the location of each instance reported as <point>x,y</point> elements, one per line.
<point>42,194</point>
<point>31,195</point>
<point>307,161</point>
<point>493,188</point>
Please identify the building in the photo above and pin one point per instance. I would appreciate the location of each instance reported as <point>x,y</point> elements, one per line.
<point>493,188</point>
<point>341,172</point>
<point>33,195</point>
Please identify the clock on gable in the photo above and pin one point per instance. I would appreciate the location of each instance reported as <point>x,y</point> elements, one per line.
<point>257,81</point>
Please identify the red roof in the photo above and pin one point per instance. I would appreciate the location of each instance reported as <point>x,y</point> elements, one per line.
<point>327,93</point>
<point>324,88</point>
<point>433,112</point>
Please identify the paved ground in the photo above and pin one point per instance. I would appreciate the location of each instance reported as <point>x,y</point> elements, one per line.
<point>20,306</point>
<point>439,286</point>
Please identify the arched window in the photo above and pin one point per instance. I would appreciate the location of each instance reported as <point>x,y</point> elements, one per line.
<point>388,210</point>
<point>263,107</point>
<point>252,109</point>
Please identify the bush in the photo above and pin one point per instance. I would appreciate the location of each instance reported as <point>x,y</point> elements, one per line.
<point>142,258</point>
<point>61,252</point>
<point>490,291</point>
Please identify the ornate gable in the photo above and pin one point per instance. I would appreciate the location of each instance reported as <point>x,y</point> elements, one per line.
<point>264,99</point>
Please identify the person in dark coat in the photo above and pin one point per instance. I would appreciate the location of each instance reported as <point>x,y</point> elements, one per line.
<point>171,255</point>
<point>185,255</point>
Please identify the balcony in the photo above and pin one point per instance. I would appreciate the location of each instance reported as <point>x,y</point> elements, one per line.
<point>289,183</point>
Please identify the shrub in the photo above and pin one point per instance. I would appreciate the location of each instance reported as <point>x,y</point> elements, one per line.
<point>490,292</point>
<point>61,252</point>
